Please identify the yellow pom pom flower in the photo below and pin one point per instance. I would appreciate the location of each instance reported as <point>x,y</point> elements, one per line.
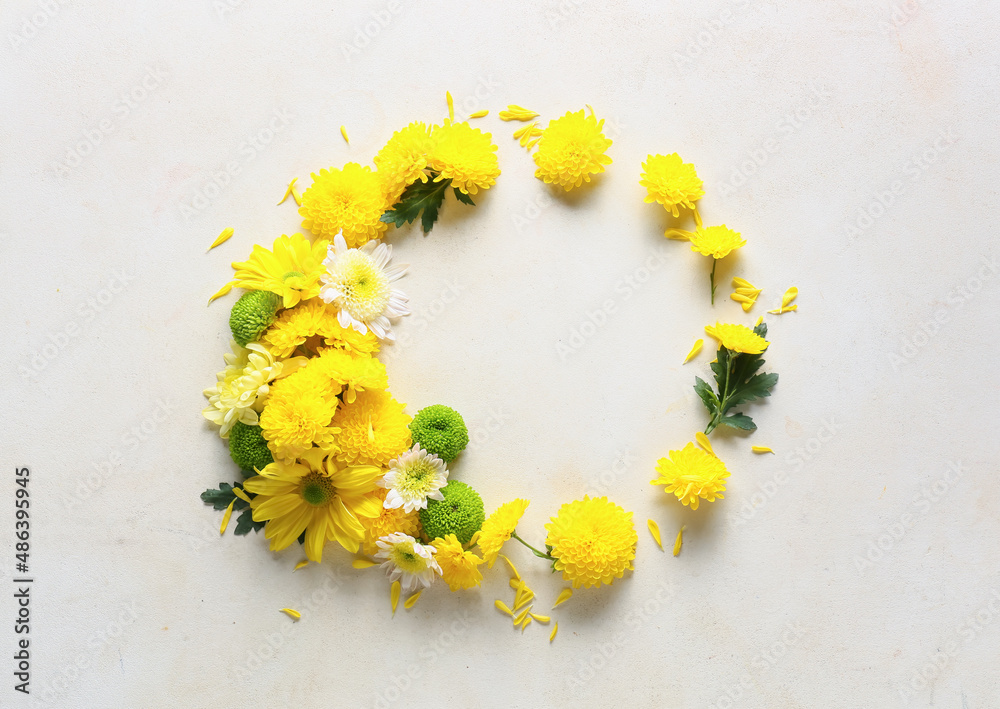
<point>353,374</point>
<point>316,496</point>
<point>464,155</point>
<point>313,323</point>
<point>403,159</point>
<point>373,429</point>
<point>571,149</point>
<point>593,541</point>
<point>716,241</point>
<point>291,269</point>
<point>737,338</point>
<point>459,568</point>
<point>298,415</point>
<point>498,527</point>
<point>350,200</point>
<point>388,520</point>
<point>671,182</point>
<point>692,475</point>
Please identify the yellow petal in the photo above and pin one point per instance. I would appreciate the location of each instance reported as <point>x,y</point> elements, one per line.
<point>288,190</point>
<point>540,618</point>
<point>363,563</point>
<point>555,629</point>
<point>222,238</point>
<point>291,613</point>
<point>343,132</point>
<point>746,306</point>
<point>759,321</point>
<point>654,529</point>
<point>526,622</point>
<point>525,600</point>
<point>451,105</point>
<point>784,309</point>
<point>703,441</point>
<point>221,292</point>
<point>564,596</point>
<point>479,114</point>
<point>513,569</point>
<point>678,234</point>
<point>524,614</point>
<point>699,343</point>
<point>680,540</point>
<point>297,196</point>
<point>503,607</point>
<point>741,298</point>
<point>240,494</point>
<point>517,113</point>
<point>742,283</point>
<point>225,517</point>
<point>302,564</point>
<point>394,595</point>
<point>412,600</point>
<point>789,296</point>
<point>761,449</point>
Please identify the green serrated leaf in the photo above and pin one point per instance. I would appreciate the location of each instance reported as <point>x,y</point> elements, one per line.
<point>463,198</point>
<point>245,522</point>
<point>761,329</point>
<point>740,421</point>
<point>421,199</point>
<point>707,395</point>
<point>219,499</point>
<point>757,387</point>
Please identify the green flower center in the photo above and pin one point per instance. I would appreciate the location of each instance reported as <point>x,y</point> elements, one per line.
<point>317,490</point>
<point>416,477</point>
<point>408,560</point>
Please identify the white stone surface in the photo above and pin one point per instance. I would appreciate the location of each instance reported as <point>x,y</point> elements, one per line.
<point>137,602</point>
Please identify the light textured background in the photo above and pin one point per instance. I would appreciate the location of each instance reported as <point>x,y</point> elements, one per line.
<point>834,574</point>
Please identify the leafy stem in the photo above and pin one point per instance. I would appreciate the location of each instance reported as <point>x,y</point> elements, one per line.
<point>534,551</point>
<point>711,278</point>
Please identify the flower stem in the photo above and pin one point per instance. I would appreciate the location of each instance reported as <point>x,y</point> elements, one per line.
<point>534,551</point>
<point>711,278</point>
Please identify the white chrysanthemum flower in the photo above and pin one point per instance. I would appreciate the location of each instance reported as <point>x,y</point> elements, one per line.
<point>413,478</point>
<point>243,386</point>
<point>407,561</point>
<point>358,282</point>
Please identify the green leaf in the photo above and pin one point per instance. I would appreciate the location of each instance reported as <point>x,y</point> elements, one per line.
<point>721,368</point>
<point>740,421</point>
<point>761,329</point>
<point>463,198</point>
<point>757,387</point>
<point>421,199</point>
<point>219,499</point>
<point>245,522</point>
<point>707,395</point>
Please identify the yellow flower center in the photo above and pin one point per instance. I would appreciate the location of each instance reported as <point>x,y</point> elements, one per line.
<point>317,490</point>
<point>364,286</point>
<point>407,559</point>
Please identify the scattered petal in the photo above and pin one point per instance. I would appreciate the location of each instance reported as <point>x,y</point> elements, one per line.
<point>221,292</point>
<point>513,569</point>
<point>363,563</point>
<point>699,343</point>
<point>540,618</point>
<point>222,238</point>
<point>705,444</point>
<point>761,449</point>
<point>226,516</point>
<point>678,234</point>
<point>517,113</point>
<point>555,629</point>
<point>759,321</point>
<point>394,595</point>
<point>479,114</point>
<point>564,596</point>
<point>524,614</point>
<point>288,190</point>
<point>789,296</point>
<point>503,607</point>
<point>654,529</point>
<point>526,622</point>
<point>784,309</point>
<point>240,494</point>
<point>525,600</point>
<point>451,105</point>
<point>343,132</point>
<point>302,564</point>
<point>412,600</point>
<point>680,540</point>
<point>291,613</point>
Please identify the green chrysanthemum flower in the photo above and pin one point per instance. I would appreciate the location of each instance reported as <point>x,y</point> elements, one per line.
<point>440,430</point>
<point>248,448</point>
<point>460,513</point>
<point>252,314</point>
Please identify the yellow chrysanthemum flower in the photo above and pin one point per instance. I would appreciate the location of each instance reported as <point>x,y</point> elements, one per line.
<point>313,323</point>
<point>298,415</point>
<point>373,429</point>
<point>459,568</point>
<point>691,475</point>
<point>737,338</point>
<point>352,374</point>
<point>716,241</point>
<point>350,200</point>
<point>291,269</point>
<point>571,149</point>
<point>242,386</point>
<point>316,496</point>
<point>593,541</point>
<point>402,160</point>
<point>671,182</point>
<point>465,155</point>
<point>389,520</point>
<point>498,527</point>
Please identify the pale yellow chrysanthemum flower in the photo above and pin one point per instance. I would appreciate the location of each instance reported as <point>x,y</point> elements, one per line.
<point>737,338</point>
<point>459,568</point>
<point>350,201</point>
<point>671,182</point>
<point>313,323</point>
<point>593,541</point>
<point>373,429</point>
<point>402,160</point>
<point>498,527</point>
<point>716,241</point>
<point>242,386</point>
<point>464,155</point>
<point>571,149</point>
<point>692,475</point>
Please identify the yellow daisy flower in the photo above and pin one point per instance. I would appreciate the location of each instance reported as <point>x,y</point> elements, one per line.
<point>312,323</point>
<point>465,155</point>
<point>593,541</point>
<point>716,241</point>
<point>691,475</point>
<point>316,496</point>
<point>291,269</point>
<point>498,527</point>
<point>459,568</point>
<point>402,160</point>
<point>737,338</point>
<point>373,429</point>
<point>298,415</point>
<point>671,182</point>
<point>350,200</point>
<point>388,520</point>
<point>571,149</point>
